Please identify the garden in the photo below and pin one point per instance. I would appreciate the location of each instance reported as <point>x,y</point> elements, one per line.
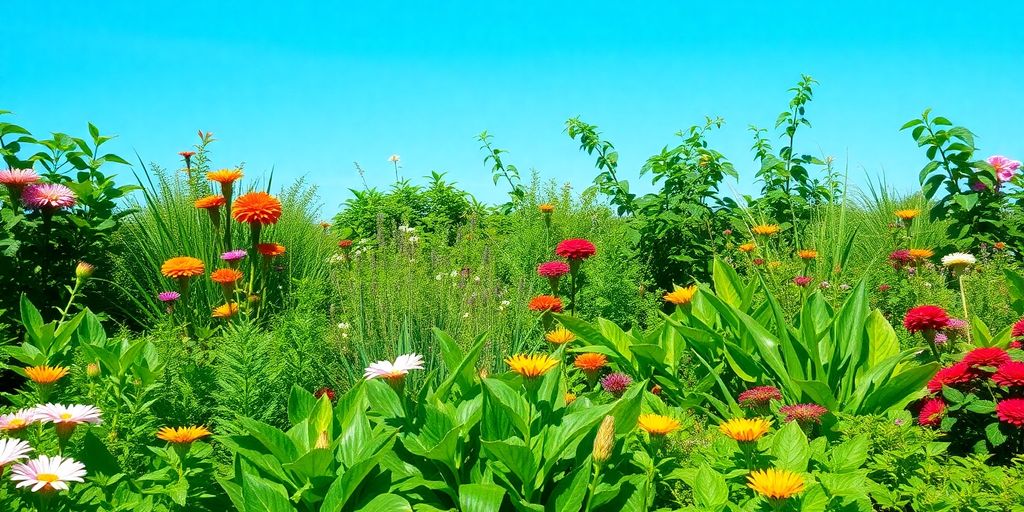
<point>200,338</point>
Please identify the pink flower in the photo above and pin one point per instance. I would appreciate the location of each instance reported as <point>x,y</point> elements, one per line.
<point>1004,167</point>
<point>759,396</point>
<point>48,196</point>
<point>1011,411</point>
<point>979,186</point>
<point>575,249</point>
<point>168,296</point>
<point>802,281</point>
<point>552,269</point>
<point>803,413</point>
<point>17,178</point>
<point>47,473</point>
<point>616,383</point>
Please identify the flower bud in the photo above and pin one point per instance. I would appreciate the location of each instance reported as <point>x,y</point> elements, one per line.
<point>92,370</point>
<point>84,270</point>
<point>605,440</point>
<point>322,442</point>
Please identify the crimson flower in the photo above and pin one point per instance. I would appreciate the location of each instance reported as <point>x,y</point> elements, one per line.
<point>803,413</point>
<point>1009,374</point>
<point>1018,329</point>
<point>1011,411</point>
<point>986,356</point>
<point>959,373</point>
<point>925,318</point>
<point>575,249</point>
<point>802,281</point>
<point>932,412</point>
<point>759,396</point>
<point>552,269</point>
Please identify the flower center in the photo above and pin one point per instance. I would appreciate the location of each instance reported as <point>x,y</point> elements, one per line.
<point>47,477</point>
<point>15,423</point>
<point>65,415</point>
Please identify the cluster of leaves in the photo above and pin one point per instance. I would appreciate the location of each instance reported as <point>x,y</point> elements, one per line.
<point>37,248</point>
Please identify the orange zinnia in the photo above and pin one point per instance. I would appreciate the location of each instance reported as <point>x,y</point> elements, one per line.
<point>256,208</point>
<point>225,275</point>
<point>182,435</point>
<point>224,176</point>
<point>207,202</point>
<point>747,247</point>
<point>225,310</point>
<point>921,254</point>
<point>182,267</point>
<point>270,250</point>
<point>544,303</point>
<point>590,362</point>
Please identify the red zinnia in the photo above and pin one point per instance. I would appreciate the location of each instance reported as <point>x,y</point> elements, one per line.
<point>803,413</point>
<point>759,396</point>
<point>345,244</point>
<point>552,269</point>
<point>925,318</point>
<point>802,281</point>
<point>544,303</point>
<point>932,412</point>
<point>575,249</point>
<point>1018,329</point>
<point>1011,411</point>
<point>959,373</point>
<point>986,356</point>
<point>1009,374</point>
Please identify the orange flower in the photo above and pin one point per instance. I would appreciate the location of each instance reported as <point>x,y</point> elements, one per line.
<point>907,214</point>
<point>182,435</point>
<point>182,267</point>
<point>214,201</point>
<point>765,229</point>
<point>45,374</point>
<point>546,208</point>
<point>544,303</point>
<point>224,176</point>
<point>999,245</point>
<point>225,310</point>
<point>256,208</point>
<point>807,254</point>
<point>225,275</point>
<point>747,247</point>
<point>590,362</point>
<point>921,254</point>
<point>570,398</point>
<point>270,250</point>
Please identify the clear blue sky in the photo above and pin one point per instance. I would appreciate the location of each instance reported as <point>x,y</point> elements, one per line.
<point>309,89</point>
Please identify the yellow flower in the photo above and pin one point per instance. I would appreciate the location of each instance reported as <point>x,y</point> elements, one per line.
<point>747,247</point>
<point>570,398</point>
<point>765,229</point>
<point>921,254</point>
<point>743,429</point>
<point>774,264</point>
<point>807,254</point>
<point>776,484</point>
<point>531,366</point>
<point>546,208</point>
<point>680,296</point>
<point>182,435</point>
<point>907,214</point>
<point>225,310</point>
<point>656,424</point>
<point>560,336</point>
<point>45,374</point>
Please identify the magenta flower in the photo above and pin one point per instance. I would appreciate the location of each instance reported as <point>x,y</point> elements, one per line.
<point>48,196</point>
<point>803,413</point>
<point>759,396</point>
<point>233,257</point>
<point>616,383</point>
<point>1005,168</point>
<point>552,269</point>
<point>979,186</point>
<point>802,281</point>
<point>168,296</point>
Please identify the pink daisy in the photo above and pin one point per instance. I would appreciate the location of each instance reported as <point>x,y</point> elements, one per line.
<point>48,196</point>
<point>48,473</point>
<point>395,371</point>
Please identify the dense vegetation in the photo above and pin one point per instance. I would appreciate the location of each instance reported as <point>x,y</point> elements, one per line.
<point>201,340</point>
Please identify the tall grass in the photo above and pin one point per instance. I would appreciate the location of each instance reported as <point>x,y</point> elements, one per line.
<point>166,224</point>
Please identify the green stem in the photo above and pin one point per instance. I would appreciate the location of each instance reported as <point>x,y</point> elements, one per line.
<point>593,487</point>
<point>963,302</point>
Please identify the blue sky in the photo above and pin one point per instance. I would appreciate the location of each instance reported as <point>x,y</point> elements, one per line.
<point>309,89</point>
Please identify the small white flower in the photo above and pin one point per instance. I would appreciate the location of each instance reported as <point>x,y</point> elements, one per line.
<point>465,315</point>
<point>17,420</point>
<point>958,260</point>
<point>344,335</point>
<point>344,326</point>
<point>506,303</point>
<point>454,273</point>
<point>394,159</point>
<point>439,277</point>
<point>476,279</point>
<point>414,239</point>
<point>397,370</point>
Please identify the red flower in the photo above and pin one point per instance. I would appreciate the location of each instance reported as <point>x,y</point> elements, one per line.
<point>925,318</point>
<point>884,288</point>
<point>1018,329</point>
<point>656,390</point>
<point>1011,411</point>
<point>759,396</point>
<point>345,244</point>
<point>552,269</point>
<point>932,412</point>
<point>959,373</point>
<point>575,249</point>
<point>803,413</point>
<point>187,154</point>
<point>900,257</point>
<point>1009,374</point>
<point>324,391</point>
<point>802,281</point>
<point>544,303</point>
<point>758,261</point>
<point>1016,344</point>
<point>986,356</point>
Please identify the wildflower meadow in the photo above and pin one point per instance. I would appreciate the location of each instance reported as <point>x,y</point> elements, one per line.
<point>199,336</point>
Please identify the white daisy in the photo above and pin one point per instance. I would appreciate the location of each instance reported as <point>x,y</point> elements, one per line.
<point>958,260</point>
<point>17,420</point>
<point>396,370</point>
<point>12,450</point>
<point>48,473</point>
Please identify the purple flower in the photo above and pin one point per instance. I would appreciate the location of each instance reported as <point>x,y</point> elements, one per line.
<point>941,339</point>
<point>168,296</point>
<point>616,383</point>
<point>234,255</point>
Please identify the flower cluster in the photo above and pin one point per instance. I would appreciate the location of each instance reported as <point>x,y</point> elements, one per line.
<point>987,372</point>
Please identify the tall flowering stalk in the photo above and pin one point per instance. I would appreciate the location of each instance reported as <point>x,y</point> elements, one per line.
<point>575,250</point>
<point>958,263</point>
<point>227,179</point>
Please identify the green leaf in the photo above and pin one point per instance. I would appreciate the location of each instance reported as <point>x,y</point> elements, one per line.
<point>851,454</point>
<point>261,495</point>
<point>709,489</point>
<point>480,497</point>
<point>570,491</point>
<point>790,448</point>
<point>386,502</point>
